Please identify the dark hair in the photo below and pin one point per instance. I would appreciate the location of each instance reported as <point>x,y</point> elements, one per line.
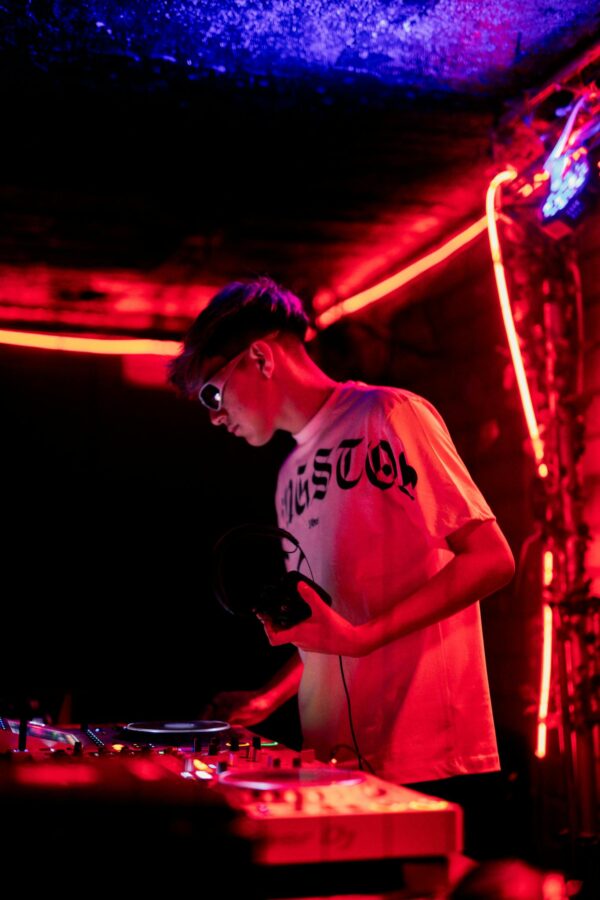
<point>240,313</point>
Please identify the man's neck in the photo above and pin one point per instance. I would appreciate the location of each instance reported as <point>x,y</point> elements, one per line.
<point>306,389</point>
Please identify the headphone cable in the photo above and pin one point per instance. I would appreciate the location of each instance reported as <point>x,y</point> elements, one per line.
<point>362,762</point>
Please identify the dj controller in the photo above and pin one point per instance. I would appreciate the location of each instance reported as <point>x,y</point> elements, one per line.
<point>298,814</point>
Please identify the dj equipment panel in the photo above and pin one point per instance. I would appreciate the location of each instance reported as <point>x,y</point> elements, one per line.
<point>299,814</point>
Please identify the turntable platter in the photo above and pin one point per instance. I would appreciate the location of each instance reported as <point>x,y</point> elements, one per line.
<point>173,732</point>
<point>280,779</point>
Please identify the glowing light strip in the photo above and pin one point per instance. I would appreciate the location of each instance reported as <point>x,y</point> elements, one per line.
<point>104,346</point>
<point>542,728</point>
<point>509,325</point>
<point>546,673</point>
<point>404,276</point>
<point>548,563</point>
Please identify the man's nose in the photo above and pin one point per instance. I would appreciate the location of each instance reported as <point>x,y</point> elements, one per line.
<point>218,417</point>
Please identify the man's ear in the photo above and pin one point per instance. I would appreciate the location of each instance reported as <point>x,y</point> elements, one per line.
<point>261,353</point>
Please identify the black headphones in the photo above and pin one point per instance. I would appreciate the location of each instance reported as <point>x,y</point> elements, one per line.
<point>268,593</point>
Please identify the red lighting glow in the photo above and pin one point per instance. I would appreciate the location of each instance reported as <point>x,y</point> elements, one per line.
<point>542,728</point>
<point>404,276</point>
<point>146,770</point>
<point>509,324</point>
<point>80,344</point>
<point>546,673</point>
<point>548,567</point>
<point>50,775</point>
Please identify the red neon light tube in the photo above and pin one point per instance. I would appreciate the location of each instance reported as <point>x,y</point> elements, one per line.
<point>509,324</point>
<point>546,671</point>
<point>542,726</point>
<point>404,276</point>
<point>77,344</point>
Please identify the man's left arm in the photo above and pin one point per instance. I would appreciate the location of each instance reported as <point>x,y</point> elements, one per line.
<point>482,564</point>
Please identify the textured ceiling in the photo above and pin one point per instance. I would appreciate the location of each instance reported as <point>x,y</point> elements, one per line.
<point>470,46</point>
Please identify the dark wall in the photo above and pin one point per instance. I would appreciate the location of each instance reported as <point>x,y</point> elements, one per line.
<point>113,498</point>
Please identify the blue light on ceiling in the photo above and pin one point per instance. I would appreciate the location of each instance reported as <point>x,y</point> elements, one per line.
<point>442,44</point>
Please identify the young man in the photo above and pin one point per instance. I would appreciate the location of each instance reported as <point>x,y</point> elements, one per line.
<point>392,527</point>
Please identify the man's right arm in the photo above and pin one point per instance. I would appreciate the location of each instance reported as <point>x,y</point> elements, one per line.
<point>251,707</point>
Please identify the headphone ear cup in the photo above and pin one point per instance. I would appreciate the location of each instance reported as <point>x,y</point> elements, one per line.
<point>292,608</point>
<point>278,595</point>
<point>294,579</point>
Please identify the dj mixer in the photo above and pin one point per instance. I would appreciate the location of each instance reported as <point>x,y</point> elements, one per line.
<point>299,814</point>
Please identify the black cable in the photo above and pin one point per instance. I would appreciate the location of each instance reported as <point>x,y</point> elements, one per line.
<point>361,759</point>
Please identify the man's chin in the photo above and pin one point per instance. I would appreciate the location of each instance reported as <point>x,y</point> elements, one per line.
<point>256,440</point>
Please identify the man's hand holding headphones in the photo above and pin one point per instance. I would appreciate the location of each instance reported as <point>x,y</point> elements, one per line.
<point>324,632</point>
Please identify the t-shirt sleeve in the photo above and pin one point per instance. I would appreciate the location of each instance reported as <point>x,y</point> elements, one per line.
<point>441,493</point>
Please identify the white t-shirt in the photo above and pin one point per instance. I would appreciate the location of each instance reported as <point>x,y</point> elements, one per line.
<point>371,491</point>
